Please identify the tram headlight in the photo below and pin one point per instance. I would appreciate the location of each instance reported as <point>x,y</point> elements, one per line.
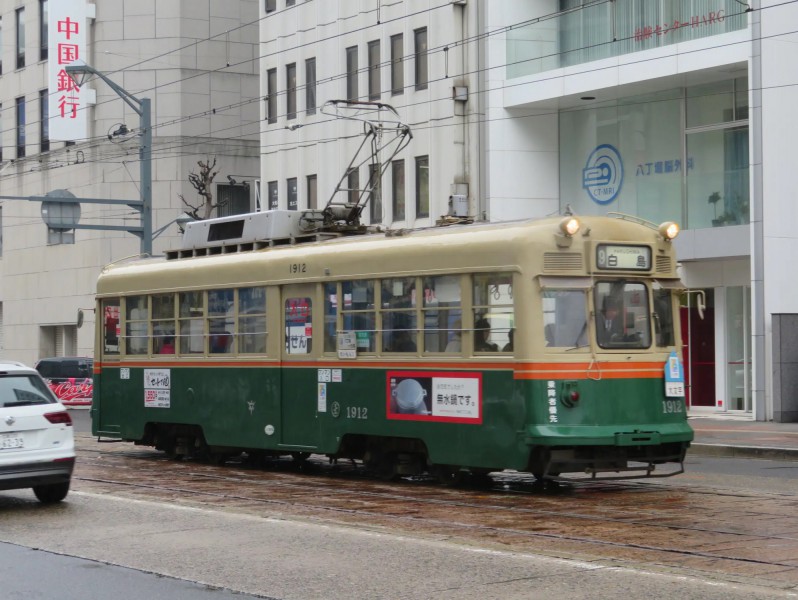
<point>669,230</point>
<point>570,226</point>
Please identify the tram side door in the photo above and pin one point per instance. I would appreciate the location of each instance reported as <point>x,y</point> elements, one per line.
<point>299,395</point>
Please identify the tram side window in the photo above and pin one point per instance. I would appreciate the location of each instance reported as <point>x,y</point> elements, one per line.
<point>298,325</point>
<point>163,324</point>
<point>494,320</point>
<point>398,312</point>
<point>136,322</point>
<point>358,313</point>
<point>252,320</point>
<point>565,319</point>
<point>190,323</point>
<point>111,326</point>
<point>663,318</point>
<point>221,325</point>
<point>330,317</point>
<point>443,315</point>
<point>622,315</point>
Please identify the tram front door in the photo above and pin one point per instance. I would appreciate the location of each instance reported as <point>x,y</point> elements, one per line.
<point>299,388</point>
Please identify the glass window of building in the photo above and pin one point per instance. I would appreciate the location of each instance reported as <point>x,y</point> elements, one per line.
<point>271,5</point>
<point>374,70</point>
<point>20,14</point>
<point>290,91</point>
<point>375,194</point>
<point>678,155</point>
<point>589,30</point>
<point>420,37</point>
<point>397,64</point>
<point>353,185</point>
<point>422,186</point>
<point>271,190</point>
<point>310,86</point>
<point>271,95</point>
<point>232,200</point>
<point>351,73</point>
<point>313,200</point>
<point>398,190</point>
<point>44,122</point>
<point>20,105</point>
<point>43,29</point>
<point>291,191</point>
<point>1,45</point>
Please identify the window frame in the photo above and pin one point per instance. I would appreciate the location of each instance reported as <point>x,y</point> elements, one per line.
<point>310,86</point>
<point>290,91</point>
<point>397,65</point>
<point>398,191</point>
<point>375,71</point>
<point>422,196</point>
<point>20,36</point>
<point>271,96</point>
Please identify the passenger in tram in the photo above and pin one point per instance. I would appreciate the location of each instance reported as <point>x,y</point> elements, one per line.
<point>481,336</point>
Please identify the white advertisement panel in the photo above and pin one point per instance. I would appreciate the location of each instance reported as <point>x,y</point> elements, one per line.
<point>67,26</point>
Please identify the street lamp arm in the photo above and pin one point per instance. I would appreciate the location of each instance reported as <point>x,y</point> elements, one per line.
<point>81,68</point>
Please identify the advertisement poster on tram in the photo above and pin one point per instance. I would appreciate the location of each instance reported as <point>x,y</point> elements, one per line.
<point>434,396</point>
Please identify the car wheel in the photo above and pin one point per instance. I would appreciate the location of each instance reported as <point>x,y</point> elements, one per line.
<point>52,493</point>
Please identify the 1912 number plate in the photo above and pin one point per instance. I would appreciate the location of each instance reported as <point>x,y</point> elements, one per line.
<point>11,440</point>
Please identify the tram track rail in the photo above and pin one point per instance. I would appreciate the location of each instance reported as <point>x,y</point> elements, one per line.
<point>585,520</point>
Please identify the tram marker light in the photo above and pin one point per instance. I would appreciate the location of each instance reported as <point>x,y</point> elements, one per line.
<point>669,230</point>
<point>569,226</point>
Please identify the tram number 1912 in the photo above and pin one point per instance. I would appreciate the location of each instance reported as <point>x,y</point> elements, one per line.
<point>357,412</point>
<point>295,268</point>
<point>672,406</point>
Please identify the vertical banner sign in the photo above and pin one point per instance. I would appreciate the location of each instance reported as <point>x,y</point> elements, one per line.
<point>67,26</point>
<point>674,377</point>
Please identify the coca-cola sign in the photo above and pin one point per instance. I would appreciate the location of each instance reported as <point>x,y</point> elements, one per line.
<point>73,391</point>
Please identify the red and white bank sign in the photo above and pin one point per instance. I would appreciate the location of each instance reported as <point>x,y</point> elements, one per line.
<point>67,27</point>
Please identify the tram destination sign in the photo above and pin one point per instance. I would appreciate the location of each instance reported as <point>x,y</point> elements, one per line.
<point>623,257</point>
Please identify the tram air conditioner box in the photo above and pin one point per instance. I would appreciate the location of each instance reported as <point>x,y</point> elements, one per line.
<point>242,229</point>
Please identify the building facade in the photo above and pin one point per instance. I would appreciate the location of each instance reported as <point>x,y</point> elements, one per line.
<point>197,63</point>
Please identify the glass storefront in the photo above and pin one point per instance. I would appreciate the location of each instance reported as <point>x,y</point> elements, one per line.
<point>587,30</point>
<point>677,155</point>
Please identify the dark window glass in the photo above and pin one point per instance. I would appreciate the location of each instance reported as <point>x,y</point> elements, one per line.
<point>43,31</point>
<point>290,90</point>
<point>313,201</point>
<point>397,64</point>
<point>20,127</point>
<point>271,5</point>
<point>232,200</point>
<point>271,95</point>
<point>353,185</point>
<point>421,58</point>
<point>351,73</point>
<point>44,124</point>
<point>1,45</point>
<point>111,326</point>
<point>374,70</point>
<point>272,191</point>
<point>375,194</point>
<point>422,186</point>
<point>291,190</point>
<point>398,189</point>
<point>20,38</point>
<point>310,86</point>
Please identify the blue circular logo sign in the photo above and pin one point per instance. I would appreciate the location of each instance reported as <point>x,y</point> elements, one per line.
<point>602,176</point>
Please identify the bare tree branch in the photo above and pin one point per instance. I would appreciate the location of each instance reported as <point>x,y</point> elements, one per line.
<point>203,183</point>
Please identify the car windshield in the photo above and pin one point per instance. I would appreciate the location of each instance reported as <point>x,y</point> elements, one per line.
<point>19,390</point>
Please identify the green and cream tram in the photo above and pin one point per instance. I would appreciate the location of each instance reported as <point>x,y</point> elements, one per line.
<point>548,346</point>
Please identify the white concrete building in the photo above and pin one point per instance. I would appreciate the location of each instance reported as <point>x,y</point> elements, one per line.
<point>197,62</point>
<point>683,108</point>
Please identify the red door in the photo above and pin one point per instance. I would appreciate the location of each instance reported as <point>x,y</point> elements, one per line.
<point>699,354</point>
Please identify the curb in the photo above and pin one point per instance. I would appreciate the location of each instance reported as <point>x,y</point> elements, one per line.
<point>722,450</point>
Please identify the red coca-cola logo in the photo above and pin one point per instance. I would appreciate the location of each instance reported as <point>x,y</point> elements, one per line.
<point>72,389</point>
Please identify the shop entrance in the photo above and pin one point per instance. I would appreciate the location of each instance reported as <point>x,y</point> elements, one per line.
<point>698,350</point>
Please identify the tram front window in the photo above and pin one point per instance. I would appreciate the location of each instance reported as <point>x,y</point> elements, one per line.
<point>622,315</point>
<point>565,319</point>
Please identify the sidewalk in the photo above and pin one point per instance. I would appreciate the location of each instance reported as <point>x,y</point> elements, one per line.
<point>736,437</point>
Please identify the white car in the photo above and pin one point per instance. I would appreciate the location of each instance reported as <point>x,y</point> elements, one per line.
<point>37,441</point>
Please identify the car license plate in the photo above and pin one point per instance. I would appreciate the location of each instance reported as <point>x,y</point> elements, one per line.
<point>11,440</point>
